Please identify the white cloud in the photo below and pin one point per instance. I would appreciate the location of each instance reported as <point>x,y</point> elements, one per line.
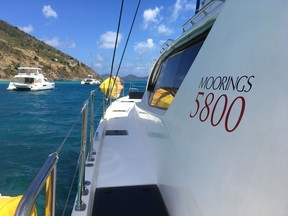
<point>49,12</point>
<point>99,61</point>
<point>27,29</point>
<point>180,6</point>
<point>162,29</point>
<point>107,40</point>
<point>55,42</point>
<point>151,16</point>
<point>71,45</point>
<point>144,47</point>
<point>98,65</point>
<point>152,20</point>
<point>100,58</point>
<point>138,67</point>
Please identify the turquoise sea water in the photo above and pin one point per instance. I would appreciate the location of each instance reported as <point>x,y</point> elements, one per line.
<point>33,125</point>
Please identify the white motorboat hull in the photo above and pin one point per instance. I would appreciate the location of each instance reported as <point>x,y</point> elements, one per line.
<point>30,79</point>
<point>30,87</point>
<point>91,82</point>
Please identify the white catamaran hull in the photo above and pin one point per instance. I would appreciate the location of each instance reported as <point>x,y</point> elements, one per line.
<point>30,79</point>
<point>212,142</point>
<point>31,87</point>
<point>220,148</point>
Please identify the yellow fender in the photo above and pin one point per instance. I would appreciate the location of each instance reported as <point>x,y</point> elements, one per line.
<point>8,206</point>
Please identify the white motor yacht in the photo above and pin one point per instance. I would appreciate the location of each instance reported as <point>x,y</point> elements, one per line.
<point>30,79</point>
<point>91,81</point>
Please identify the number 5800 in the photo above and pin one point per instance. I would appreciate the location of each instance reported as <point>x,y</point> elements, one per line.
<point>208,108</point>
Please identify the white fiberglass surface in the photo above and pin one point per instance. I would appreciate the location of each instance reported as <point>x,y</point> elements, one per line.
<point>228,120</point>
<point>124,158</point>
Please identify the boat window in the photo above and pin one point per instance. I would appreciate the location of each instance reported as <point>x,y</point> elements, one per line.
<point>168,77</point>
<point>29,80</point>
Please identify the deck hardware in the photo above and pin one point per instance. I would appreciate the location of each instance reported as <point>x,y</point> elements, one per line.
<point>90,156</point>
<point>116,132</point>
<point>118,110</point>
<point>201,13</point>
<point>81,207</point>
<point>166,45</point>
<point>81,189</point>
<point>89,164</point>
<point>87,183</point>
<point>84,191</point>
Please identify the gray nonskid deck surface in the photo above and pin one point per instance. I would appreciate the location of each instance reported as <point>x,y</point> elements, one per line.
<point>129,200</point>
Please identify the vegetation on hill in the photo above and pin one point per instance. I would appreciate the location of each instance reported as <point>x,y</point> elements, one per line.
<point>18,48</point>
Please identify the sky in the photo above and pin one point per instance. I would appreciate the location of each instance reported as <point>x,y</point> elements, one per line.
<point>86,29</point>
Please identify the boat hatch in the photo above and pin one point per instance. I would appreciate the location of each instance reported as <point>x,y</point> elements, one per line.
<point>129,200</point>
<point>136,95</point>
<point>116,132</point>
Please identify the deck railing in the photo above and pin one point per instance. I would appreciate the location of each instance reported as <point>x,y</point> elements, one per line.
<point>47,174</point>
<point>203,12</point>
<point>91,152</point>
<point>81,189</point>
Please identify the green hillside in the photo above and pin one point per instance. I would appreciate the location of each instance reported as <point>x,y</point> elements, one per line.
<point>18,48</point>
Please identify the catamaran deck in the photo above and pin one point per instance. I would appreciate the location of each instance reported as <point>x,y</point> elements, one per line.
<point>126,182</point>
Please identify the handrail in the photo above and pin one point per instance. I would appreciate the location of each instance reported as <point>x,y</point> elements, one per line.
<point>202,12</point>
<point>81,189</point>
<point>29,198</point>
<point>48,171</point>
<point>91,152</point>
<point>166,45</point>
<point>136,88</point>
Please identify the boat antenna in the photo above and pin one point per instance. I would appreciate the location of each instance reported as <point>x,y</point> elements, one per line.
<point>197,6</point>
<point>115,47</point>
